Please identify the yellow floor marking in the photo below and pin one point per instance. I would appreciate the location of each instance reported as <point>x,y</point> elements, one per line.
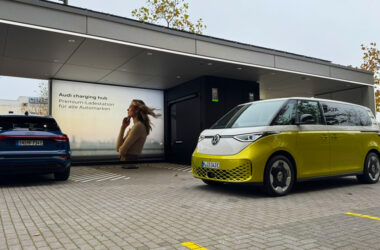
<point>363,216</point>
<point>191,245</point>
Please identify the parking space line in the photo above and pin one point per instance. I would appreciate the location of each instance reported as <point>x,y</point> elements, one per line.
<point>109,177</point>
<point>364,216</point>
<point>98,177</point>
<point>82,178</point>
<point>117,178</point>
<point>192,245</point>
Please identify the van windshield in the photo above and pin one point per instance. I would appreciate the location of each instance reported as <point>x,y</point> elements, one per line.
<point>250,115</point>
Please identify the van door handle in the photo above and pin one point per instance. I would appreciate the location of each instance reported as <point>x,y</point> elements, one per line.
<point>178,142</point>
<point>334,136</point>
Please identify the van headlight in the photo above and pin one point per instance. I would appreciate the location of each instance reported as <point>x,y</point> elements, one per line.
<point>248,137</point>
<point>201,138</point>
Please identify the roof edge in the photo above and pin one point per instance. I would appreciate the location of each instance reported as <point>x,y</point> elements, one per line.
<point>132,22</point>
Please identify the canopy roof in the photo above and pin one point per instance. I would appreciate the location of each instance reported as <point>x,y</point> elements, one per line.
<point>45,40</point>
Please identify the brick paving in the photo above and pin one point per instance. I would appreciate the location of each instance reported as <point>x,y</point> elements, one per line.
<point>160,206</point>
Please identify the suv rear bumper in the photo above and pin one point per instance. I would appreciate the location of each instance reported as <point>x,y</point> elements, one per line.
<point>33,165</point>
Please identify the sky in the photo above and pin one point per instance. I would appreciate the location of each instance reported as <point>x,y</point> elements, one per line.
<point>13,87</point>
<point>327,29</point>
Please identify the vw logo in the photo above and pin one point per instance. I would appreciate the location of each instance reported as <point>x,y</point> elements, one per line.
<point>215,139</point>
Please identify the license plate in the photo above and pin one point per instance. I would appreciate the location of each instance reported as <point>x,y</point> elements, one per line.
<point>30,143</point>
<point>210,164</point>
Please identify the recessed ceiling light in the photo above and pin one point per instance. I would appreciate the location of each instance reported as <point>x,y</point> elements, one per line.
<point>209,64</point>
<point>239,68</point>
<point>149,53</point>
<point>71,40</point>
<point>178,77</point>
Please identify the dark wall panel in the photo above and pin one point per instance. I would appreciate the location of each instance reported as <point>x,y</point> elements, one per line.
<point>190,109</point>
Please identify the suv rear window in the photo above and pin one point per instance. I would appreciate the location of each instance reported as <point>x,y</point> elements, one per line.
<point>28,123</point>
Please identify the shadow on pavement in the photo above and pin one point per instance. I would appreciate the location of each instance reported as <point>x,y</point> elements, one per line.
<point>27,180</point>
<point>242,190</point>
<point>320,185</point>
<point>254,191</point>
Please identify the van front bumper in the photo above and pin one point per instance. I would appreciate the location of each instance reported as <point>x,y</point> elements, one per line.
<point>231,168</point>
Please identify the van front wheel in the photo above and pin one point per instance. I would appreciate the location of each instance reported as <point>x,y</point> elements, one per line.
<point>279,176</point>
<point>371,171</point>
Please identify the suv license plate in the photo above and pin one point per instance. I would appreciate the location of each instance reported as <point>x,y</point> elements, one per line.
<point>210,164</point>
<point>30,143</point>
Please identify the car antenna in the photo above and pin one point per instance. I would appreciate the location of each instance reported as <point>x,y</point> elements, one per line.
<point>26,113</point>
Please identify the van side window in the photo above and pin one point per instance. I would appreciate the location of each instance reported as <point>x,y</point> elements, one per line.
<point>365,117</point>
<point>311,108</point>
<point>345,115</point>
<point>286,114</point>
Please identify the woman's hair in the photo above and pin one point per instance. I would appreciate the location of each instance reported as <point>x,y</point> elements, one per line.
<point>142,114</point>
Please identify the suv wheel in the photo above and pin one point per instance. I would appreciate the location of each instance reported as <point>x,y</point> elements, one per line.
<point>62,176</point>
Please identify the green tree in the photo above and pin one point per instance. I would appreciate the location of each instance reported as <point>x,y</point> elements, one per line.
<point>172,13</point>
<point>371,63</point>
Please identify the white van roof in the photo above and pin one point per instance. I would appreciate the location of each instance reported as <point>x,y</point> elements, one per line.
<point>306,98</point>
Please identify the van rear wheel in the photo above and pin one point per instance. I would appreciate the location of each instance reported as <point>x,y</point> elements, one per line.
<point>279,176</point>
<point>371,171</point>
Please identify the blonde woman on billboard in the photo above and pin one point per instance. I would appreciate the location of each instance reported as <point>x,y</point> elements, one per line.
<point>131,145</point>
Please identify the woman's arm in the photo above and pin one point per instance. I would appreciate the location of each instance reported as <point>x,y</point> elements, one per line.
<point>132,136</point>
<point>120,138</point>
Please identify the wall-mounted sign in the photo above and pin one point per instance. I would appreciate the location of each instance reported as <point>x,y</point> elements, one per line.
<point>214,95</point>
<point>37,100</point>
<point>91,115</point>
<point>251,96</point>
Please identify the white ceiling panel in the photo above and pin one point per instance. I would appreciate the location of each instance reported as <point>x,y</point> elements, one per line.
<point>163,82</point>
<point>28,68</point>
<point>126,78</point>
<point>239,72</point>
<point>301,86</point>
<point>30,44</point>
<point>81,73</point>
<point>168,65</point>
<point>103,55</point>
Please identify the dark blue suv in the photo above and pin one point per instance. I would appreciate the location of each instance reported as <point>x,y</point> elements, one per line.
<point>33,145</point>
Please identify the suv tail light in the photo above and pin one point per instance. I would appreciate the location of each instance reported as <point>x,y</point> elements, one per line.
<point>62,138</point>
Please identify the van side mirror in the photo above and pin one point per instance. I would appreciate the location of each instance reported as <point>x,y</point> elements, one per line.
<point>306,119</point>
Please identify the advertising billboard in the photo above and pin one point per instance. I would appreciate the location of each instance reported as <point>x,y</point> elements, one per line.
<point>91,115</point>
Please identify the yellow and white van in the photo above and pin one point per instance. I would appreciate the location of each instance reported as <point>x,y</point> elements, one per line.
<point>279,141</point>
